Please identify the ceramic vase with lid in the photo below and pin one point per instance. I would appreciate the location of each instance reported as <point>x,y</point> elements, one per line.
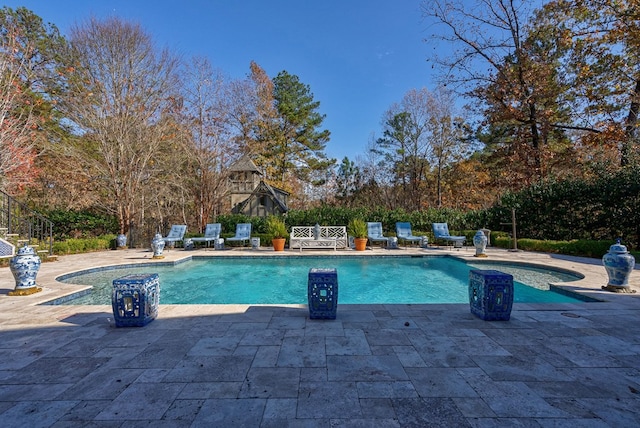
<point>158,246</point>
<point>24,267</point>
<point>618,263</point>
<point>480,242</point>
<point>121,240</point>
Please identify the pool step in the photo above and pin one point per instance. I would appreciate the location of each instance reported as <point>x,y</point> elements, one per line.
<point>44,255</point>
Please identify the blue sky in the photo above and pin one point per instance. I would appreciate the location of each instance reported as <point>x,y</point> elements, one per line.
<point>357,56</point>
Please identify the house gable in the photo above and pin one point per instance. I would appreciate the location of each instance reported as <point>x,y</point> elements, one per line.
<point>264,200</point>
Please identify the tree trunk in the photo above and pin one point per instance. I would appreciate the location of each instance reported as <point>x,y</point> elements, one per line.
<point>439,186</point>
<point>630,129</point>
<point>535,139</point>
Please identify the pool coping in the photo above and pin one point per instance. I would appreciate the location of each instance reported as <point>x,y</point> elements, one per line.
<point>555,287</point>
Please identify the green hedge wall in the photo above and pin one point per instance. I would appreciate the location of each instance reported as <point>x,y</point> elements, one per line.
<point>605,208</point>
<point>80,224</point>
<point>572,213</point>
<point>577,247</point>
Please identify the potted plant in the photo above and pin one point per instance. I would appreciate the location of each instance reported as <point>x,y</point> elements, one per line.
<point>278,232</point>
<point>358,229</point>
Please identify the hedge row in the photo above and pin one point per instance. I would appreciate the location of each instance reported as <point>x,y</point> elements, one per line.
<point>604,208</point>
<point>84,245</point>
<point>575,210</point>
<point>80,224</point>
<point>577,247</point>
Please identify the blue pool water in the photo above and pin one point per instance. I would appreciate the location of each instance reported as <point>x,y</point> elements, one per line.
<point>242,280</point>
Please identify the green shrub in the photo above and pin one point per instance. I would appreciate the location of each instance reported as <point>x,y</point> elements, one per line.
<point>80,224</point>
<point>357,228</point>
<point>602,208</point>
<point>276,228</point>
<point>60,247</point>
<point>569,217</point>
<point>576,247</point>
<point>586,248</point>
<point>83,245</point>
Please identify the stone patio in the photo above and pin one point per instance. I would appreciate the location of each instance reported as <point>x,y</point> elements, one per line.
<point>551,365</point>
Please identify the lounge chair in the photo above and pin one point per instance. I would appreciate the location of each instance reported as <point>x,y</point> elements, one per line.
<point>175,234</point>
<point>441,232</point>
<point>374,233</point>
<point>403,233</point>
<point>243,233</point>
<point>211,233</point>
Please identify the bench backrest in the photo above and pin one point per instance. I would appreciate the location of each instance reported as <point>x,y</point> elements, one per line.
<point>325,232</point>
<point>307,232</point>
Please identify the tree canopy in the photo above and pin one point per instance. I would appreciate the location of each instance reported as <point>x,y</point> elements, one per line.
<point>120,89</point>
<point>293,144</point>
<point>106,120</point>
<point>28,49</point>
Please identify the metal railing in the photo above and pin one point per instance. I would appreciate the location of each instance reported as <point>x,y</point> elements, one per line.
<point>25,224</point>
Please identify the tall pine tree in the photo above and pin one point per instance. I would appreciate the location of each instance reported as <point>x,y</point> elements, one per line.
<point>294,149</point>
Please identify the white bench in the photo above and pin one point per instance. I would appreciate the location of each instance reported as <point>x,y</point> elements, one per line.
<point>330,237</point>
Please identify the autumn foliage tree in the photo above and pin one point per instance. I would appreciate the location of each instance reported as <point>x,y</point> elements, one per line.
<point>499,61</point>
<point>250,111</point>
<point>422,137</point>
<point>26,67</point>
<point>602,63</point>
<point>17,123</point>
<point>120,88</point>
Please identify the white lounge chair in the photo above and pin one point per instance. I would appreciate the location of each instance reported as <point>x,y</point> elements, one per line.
<point>243,233</point>
<point>211,233</point>
<point>403,233</point>
<point>176,234</point>
<point>374,233</point>
<point>441,232</point>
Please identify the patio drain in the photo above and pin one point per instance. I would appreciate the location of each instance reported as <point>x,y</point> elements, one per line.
<point>569,315</point>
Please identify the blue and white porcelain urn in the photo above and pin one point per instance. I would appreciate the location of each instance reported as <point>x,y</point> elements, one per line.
<point>158,246</point>
<point>121,240</point>
<point>24,267</point>
<point>480,242</point>
<point>618,263</point>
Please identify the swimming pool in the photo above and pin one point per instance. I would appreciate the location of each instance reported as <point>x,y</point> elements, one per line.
<point>283,280</point>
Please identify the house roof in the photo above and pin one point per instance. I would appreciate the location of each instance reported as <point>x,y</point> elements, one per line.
<point>244,164</point>
<point>264,188</point>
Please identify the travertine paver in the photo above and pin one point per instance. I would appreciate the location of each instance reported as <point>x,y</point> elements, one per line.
<point>271,366</point>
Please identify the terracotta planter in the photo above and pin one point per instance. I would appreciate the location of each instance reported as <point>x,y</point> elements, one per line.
<point>361,244</point>
<point>278,244</point>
